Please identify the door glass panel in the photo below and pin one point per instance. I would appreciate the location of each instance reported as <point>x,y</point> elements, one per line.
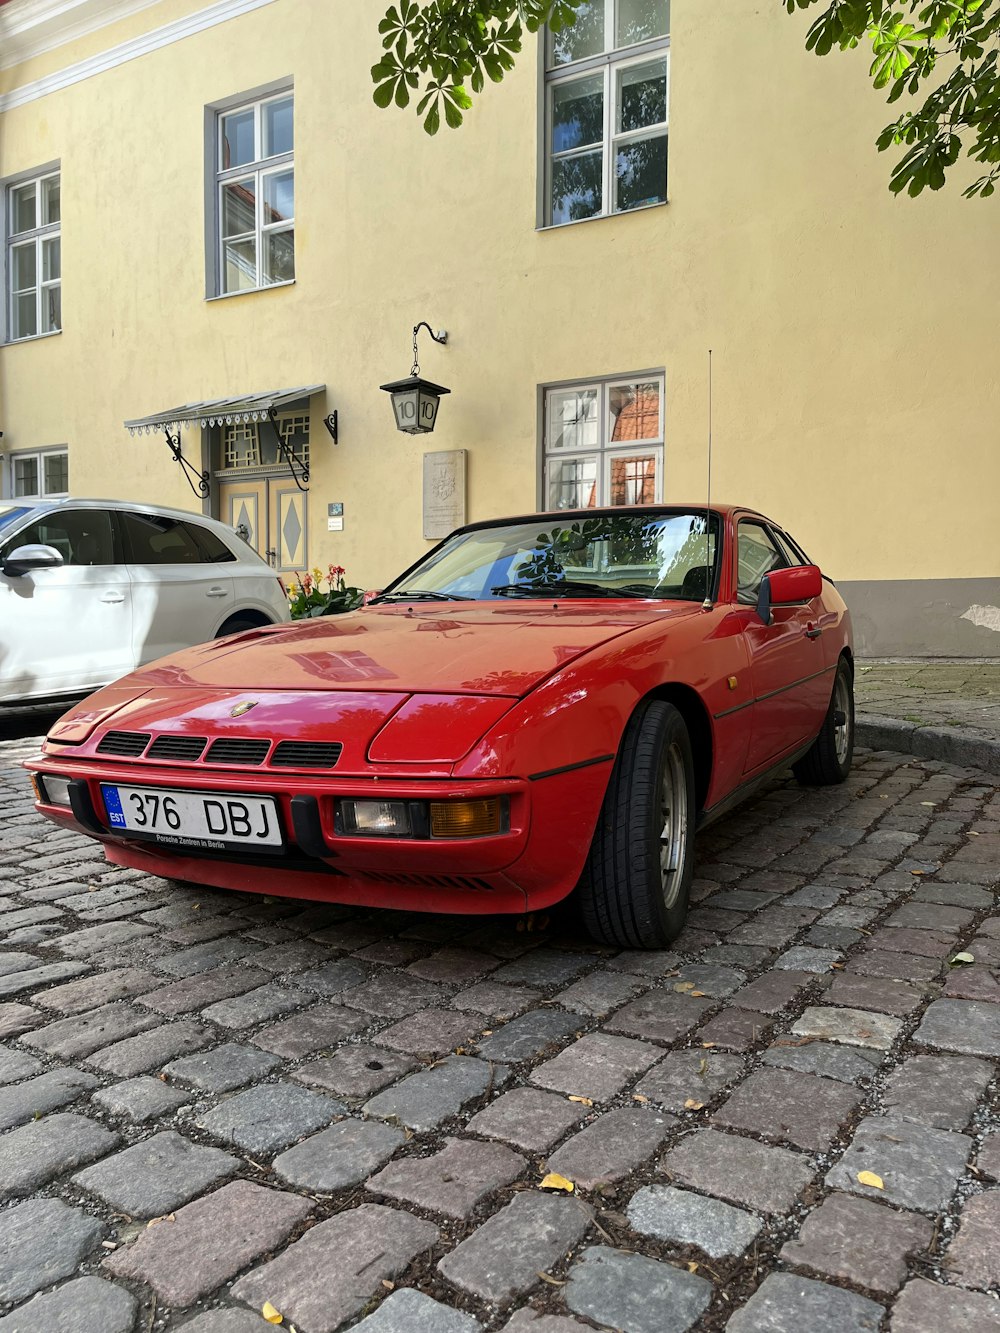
<point>50,199</point>
<point>157,540</point>
<point>578,113</point>
<point>23,208</point>
<point>580,39</point>
<point>279,197</point>
<point>641,172</point>
<point>572,483</point>
<point>239,207</point>
<point>237,139</point>
<point>56,473</point>
<point>81,536</point>
<point>278,127</point>
<point>577,187</point>
<point>241,265</point>
<point>632,480</point>
<point>639,20</point>
<point>572,420</point>
<point>634,412</point>
<point>756,556</point>
<point>642,96</point>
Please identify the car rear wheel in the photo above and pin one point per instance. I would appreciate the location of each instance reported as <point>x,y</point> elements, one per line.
<point>634,891</point>
<point>829,760</point>
<point>237,624</point>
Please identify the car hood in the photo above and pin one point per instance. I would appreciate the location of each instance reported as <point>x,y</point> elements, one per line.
<point>465,649</point>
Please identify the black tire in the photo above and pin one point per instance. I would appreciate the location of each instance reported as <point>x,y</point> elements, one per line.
<point>634,890</point>
<point>237,624</point>
<point>829,760</point>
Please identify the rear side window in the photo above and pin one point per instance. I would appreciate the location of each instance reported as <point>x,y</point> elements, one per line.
<point>81,536</point>
<point>155,539</point>
<point>213,549</point>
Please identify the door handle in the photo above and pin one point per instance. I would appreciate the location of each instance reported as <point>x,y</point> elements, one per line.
<point>216,592</point>
<point>112,598</point>
<point>813,632</point>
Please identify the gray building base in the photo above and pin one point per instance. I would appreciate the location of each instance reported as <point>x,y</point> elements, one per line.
<point>925,617</point>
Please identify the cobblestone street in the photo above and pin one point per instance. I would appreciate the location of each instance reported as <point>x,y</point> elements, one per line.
<point>212,1102</point>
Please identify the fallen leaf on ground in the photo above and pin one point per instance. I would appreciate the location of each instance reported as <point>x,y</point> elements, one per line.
<point>692,1267</point>
<point>708,1045</point>
<point>918,872</point>
<point>167,1217</point>
<point>692,1105</point>
<point>684,985</point>
<point>553,1181</point>
<point>870,1178</point>
<point>699,994</point>
<point>640,1097</point>
<point>703,1067</point>
<point>272,1315</point>
<point>931,803</point>
<point>962,958</point>
<point>389,1286</point>
<point>584,1101</point>
<point>552,1281</point>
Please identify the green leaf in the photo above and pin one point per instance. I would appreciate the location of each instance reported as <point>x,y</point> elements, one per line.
<point>382,95</point>
<point>432,121</point>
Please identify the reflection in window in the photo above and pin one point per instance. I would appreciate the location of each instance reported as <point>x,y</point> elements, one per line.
<point>256,195</point>
<point>591,433</point>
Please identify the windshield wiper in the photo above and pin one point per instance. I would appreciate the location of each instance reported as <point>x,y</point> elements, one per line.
<point>571,588</point>
<point>419,595</point>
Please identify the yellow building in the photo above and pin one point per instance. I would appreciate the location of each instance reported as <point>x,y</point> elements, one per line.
<point>202,203</point>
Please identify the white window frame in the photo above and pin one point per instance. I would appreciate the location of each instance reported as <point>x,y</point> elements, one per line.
<point>39,455</point>
<point>610,64</point>
<point>604,450</point>
<point>259,170</point>
<point>40,238</point>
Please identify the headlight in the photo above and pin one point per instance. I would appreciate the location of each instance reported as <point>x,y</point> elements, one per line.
<point>51,790</point>
<point>422,819</point>
<point>383,819</point>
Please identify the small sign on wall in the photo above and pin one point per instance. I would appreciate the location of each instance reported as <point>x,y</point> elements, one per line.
<point>335,516</point>
<point>444,491</point>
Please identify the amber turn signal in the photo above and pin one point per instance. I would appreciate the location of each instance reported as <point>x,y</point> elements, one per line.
<point>465,819</point>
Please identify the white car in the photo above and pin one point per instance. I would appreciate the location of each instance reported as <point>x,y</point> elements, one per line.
<point>92,589</point>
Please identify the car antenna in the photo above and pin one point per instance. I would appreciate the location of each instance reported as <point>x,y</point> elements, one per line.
<point>707,604</point>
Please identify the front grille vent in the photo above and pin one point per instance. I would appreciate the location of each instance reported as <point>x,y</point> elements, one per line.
<point>185,748</point>
<point>427,881</point>
<point>237,751</point>
<point>125,744</point>
<point>306,754</point>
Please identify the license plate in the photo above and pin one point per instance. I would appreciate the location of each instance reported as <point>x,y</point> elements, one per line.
<point>213,821</point>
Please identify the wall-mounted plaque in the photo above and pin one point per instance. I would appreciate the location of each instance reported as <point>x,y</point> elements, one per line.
<point>444,491</point>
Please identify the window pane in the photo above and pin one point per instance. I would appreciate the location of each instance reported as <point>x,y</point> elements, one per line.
<point>578,113</point>
<point>639,20</point>
<point>278,127</point>
<point>157,540</point>
<point>633,480</point>
<point>584,37</point>
<point>279,256</point>
<point>572,483</point>
<point>23,211</point>
<point>240,265</point>
<point>577,187</point>
<point>756,556</point>
<point>279,197</point>
<point>213,549</point>
<point>642,96</point>
<point>641,171</point>
<point>51,260</point>
<point>50,199</point>
<point>634,412</point>
<point>25,268</point>
<point>572,420</point>
<point>25,317</point>
<point>56,473</point>
<point>26,476</point>
<point>239,207</point>
<point>51,309</point>
<point>238,139</point>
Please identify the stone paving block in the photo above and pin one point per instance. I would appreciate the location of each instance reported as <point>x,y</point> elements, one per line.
<point>600,992</point>
<point>738,1170</point>
<point>528,1118</point>
<point>629,1291</point>
<point>974,982</point>
<point>293,957</point>
<point>203,988</point>
<point>17,1018</point>
<point>27,1101</point>
<point>31,978</point>
<point>27,916</point>
<point>81,1306</point>
<point>327,1277</point>
<point>410,1311</point>
<point>204,957</point>
<point>896,966</point>
<point>76,997</point>
<point>393,995</point>
<point>736,1030</point>
<point>612,1146</point>
<point>392,952</point>
<point>712,979</point>
<point>342,1155</point>
<point>849,1064</point>
<point>141,1099</point>
<point>93,939</point>
<point>454,967</point>
<point>740,900</point>
<point>786,1303</point>
<point>853,1027</point>
<point>209,1241</point>
<point>923,943</point>
<point>919,1166</point>
<point>223,1068</point>
<point>597,1066</point>
<point>71,1038</point>
<point>988,1157</point>
<point>269,1116</point>
<point>451,1181</point>
<point>424,1099</point>
<point>355,1071</point>
<point>495,1001</point>
<point>927,1307</point>
<point>314,1029</point>
<point>533,1034</point>
<point>256,1006</point>
<point>938,1090</point>
<point>659,1016</point>
<point>544,968</point>
<point>833,938</point>
<point>431,1032</point>
<point>931,916</point>
<point>151,1049</point>
<point>859,1241</point>
<point>42,1149</point>
<point>973,1257</point>
<point>333,977</point>
<point>967,1026</point>
<point>157,1175</point>
<point>527,1320</point>
<point>785,1104</point>
<point>773,991</point>
<point>15,1065</point>
<point>692,1219</point>
<point>502,1258</point>
<point>228,1321</point>
<point>879,993</point>
<point>645,962</point>
<point>803,958</point>
<point>689,1076</point>
<point>41,1242</point>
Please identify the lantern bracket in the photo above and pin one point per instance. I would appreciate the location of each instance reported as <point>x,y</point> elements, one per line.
<point>440,337</point>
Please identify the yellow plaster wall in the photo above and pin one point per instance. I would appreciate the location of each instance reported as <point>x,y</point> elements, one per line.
<point>856,393</point>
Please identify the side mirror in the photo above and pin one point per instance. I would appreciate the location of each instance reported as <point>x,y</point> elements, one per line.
<point>786,587</point>
<point>24,559</point>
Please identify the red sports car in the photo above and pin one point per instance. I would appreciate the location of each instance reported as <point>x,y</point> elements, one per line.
<point>541,704</point>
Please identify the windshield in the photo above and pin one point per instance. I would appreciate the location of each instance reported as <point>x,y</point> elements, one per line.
<point>667,555</point>
<point>10,514</point>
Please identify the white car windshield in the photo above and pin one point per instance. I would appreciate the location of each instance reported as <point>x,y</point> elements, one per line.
<point>669,555</point>
<point>10,514</point>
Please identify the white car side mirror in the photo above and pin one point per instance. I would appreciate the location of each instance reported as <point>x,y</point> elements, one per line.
<point>24,559</point>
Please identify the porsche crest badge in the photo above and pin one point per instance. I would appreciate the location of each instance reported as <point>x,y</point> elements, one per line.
<point>242,708</point>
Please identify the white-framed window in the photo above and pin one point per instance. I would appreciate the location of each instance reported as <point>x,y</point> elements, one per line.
<point>255,194</point>
<point>34,265</point>
<point>606,98</point>
<point>604,443</point>
<point>39,473</point>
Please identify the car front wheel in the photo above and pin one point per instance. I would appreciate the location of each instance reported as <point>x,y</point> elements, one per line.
<point>829,760</point>
<point>634,890</point>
